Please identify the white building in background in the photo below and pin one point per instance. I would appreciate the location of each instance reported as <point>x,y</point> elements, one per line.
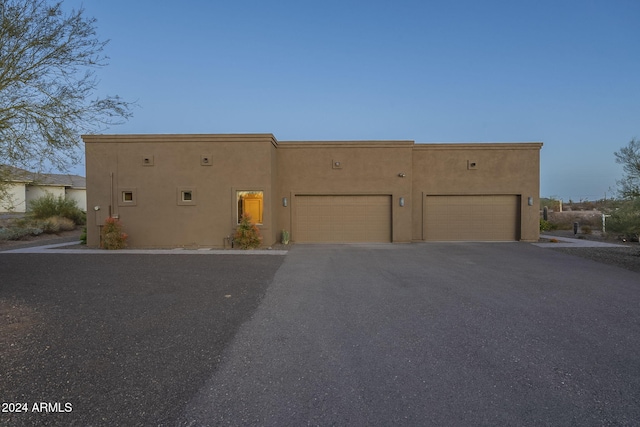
<point>24,186</point>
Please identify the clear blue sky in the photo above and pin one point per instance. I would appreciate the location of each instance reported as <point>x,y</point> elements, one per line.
<point>566,73</point>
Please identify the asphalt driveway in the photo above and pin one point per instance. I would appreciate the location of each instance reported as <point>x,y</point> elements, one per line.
<point>416,334</point>
<point>433,334</point>
<point>125,340</point>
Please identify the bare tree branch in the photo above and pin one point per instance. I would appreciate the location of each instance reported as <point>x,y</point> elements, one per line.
<point>48,61</point>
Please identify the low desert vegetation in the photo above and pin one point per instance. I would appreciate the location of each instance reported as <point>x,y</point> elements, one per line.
<point>50,206</point>
<point>622,217</point>
<point>48,215</point>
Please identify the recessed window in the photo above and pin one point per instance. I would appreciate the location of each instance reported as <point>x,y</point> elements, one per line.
<point>250,203</point>
<point>128,197</point>
<point>186,196</point>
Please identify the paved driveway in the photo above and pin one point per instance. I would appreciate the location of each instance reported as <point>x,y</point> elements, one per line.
<point>433,334</point>
<point>416,334</point>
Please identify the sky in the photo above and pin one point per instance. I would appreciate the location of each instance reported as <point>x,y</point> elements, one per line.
<point>562,72</point>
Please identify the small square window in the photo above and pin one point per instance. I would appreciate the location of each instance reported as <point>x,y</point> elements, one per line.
<point>186,196</point>
<point>128,197</point>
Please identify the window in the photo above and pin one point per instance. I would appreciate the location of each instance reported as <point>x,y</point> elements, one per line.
<point>186,196</point>
<point>250,203</point>
<point>128,197</point>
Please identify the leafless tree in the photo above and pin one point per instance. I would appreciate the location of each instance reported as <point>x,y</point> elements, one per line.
<point>48,60</point>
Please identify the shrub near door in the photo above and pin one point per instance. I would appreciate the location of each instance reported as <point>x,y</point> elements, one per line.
<point>247,235</point>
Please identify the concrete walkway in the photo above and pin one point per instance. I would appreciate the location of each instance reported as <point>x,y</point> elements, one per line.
<point>566,242</point>
<point>59,248</point>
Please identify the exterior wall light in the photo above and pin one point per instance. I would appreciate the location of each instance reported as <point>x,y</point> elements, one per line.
<point>402,175</point>
<point>401,201</point>
<point>530,201</point>
<point>284,202</point>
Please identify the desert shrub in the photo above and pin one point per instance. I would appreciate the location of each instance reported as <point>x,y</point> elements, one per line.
<point>112,235</point>
<point>48,206</point>
<point>83,236</point>
<point>546,225</point>
<point>586,229</point>
<point>56,224</point>
<point>17,233</point>
<point>626,219</point>
<point>49,226</point>
<point>247,235</point>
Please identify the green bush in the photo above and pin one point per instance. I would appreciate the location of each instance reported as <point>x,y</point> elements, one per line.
<point>546,225</point>
<point>48,206</point>
<point>625,220</point>
<point>247,235</point>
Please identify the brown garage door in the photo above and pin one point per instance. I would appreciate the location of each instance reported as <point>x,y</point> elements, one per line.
<point>479,218</point>
<point>342,219</point>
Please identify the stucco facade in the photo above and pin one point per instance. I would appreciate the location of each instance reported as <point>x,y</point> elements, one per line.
<point>189,190</point>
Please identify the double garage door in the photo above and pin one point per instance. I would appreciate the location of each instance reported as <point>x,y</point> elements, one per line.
<point>471,218</point>
<point>364,218</point>
<point>342,219</point>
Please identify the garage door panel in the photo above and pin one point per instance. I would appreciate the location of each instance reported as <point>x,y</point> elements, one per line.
<point>343,219</point>
<point>486,217</point>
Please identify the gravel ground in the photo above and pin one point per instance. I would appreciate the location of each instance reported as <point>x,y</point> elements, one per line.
<point>627,257</point>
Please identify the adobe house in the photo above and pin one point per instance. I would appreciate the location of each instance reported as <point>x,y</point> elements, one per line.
<point>190,190</point>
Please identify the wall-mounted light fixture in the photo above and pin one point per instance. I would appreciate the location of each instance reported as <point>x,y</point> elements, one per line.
<point>530,201</point>
<point>284,202</point>
<point>96,208</point>
<point>401,201</point>
<point>402,175</point>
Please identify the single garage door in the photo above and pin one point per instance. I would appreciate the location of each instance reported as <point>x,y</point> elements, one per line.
<point>479,218</point>
<point>342,219</point>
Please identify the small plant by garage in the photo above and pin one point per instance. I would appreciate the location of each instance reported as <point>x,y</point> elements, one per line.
<point>247,235</point>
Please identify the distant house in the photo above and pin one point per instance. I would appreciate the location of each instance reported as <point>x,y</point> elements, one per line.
<point>25,186</point>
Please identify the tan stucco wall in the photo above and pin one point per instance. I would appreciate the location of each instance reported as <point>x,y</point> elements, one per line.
<point>366,167</point>
<point>504,169</point>
<point>287,169</point>
<point>155,218</point>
